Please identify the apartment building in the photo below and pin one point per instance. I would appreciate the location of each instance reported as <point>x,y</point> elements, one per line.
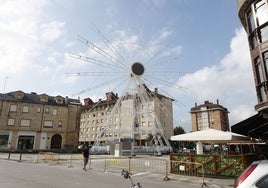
<point>209,115</point>
<point>127,117</point>
<point>253,15</point>
<point>38,122</point>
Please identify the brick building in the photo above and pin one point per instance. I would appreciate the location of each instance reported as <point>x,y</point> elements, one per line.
<point>38,122</point>
<point>209,115</point>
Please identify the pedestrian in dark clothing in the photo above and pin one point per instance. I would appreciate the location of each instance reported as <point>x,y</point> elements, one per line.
<point>85,156</point>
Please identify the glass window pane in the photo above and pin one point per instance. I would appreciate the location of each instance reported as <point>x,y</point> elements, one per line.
<point>48,124</point>
<point>264,34</point>
<point>4,140</point>
<point>265,59</point>
<point>11,121</point>
<point>261,12</point>
<point>13,108</point>
<point>250,19</point>
<point>25,109</point>
<point>263,95</point>
<point>25,122</point>
<point>253,42</point>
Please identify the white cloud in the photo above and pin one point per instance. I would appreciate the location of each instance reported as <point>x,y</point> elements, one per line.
<point>23,34</point>
<point>51,31</point>
<point>231,81</point>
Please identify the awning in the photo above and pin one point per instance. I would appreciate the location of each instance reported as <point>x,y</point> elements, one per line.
<point>211,136</point>
<point>255,126</point>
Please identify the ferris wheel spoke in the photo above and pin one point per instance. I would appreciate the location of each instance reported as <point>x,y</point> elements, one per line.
<point>101,52</point>
<point>165,83</point>
<point>109,44</point>
<point>94,61</point>
<point>93,73</point>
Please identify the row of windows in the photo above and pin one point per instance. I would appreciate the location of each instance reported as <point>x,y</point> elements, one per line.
<point>27,123</point>
<point>87,129</point>
<point>25,109</point>
<point>257,17</point>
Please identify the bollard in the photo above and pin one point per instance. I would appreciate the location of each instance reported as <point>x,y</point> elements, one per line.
<point>20,154</point>
<point>9,154</point>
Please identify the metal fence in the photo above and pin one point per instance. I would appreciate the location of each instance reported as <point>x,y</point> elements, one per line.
<point>187,168</point>
<point>150,164</point>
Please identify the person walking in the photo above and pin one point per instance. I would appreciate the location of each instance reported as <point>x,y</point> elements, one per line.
<point>85,156</point>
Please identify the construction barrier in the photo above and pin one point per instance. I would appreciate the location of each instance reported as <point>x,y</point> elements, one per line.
<point>186,168</point>
<point>48,157</point>
<point>134,165</point>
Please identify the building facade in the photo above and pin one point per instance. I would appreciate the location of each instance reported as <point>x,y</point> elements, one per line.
<point>254,18</point>
<point>253,15</point>
<point>123,122</point>
<point>38,122</point>
<point>209,115</point>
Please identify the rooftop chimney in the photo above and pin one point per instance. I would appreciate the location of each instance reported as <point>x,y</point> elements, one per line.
<point>88,102</point>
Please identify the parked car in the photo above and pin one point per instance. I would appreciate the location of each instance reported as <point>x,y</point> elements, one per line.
<point>254,176</point>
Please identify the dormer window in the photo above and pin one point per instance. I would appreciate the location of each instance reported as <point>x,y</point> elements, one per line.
<point>43,98</point>
<point>59,100</point>
<point>19,95</point>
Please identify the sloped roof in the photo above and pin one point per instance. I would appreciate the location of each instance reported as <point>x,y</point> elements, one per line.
<point>35,99</point>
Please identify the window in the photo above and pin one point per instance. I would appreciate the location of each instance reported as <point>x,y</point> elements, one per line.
<point>11,121</point>
<point>60,124</point>
<point>262,94</point>
<point>259,72</point>
<point>264,33</point>
<point>25,122</point>
<point>25,109</point>
<point>265,59</point>
<point>263,182</point>
<point>47,110</point>
<point>48,124</point>
<point>13,108</point>
<point>4,139</point>
<point>250,20</point>
<point>253,41</point>
<point>54,112</point>
<point>38,109</point>
<point>261,12</point>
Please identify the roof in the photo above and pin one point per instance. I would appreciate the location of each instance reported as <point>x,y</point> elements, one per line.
<point>211,135</point>
<point>35,98</point>
<point>209,106</point>
<point>256,126</point>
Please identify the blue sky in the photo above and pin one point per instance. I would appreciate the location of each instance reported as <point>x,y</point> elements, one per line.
<point>203,40</point>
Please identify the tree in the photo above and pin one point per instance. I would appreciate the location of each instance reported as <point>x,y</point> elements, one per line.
<point>178,130</point>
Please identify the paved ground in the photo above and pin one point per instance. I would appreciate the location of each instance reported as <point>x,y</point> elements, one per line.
<point>14,174</point>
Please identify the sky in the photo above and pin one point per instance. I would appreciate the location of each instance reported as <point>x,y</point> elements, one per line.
<point>192,51</point>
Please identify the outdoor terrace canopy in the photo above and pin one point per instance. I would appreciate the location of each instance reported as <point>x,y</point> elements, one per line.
<point>210,136</point>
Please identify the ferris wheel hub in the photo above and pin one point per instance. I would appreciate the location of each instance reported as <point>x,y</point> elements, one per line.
<point>137,68</point>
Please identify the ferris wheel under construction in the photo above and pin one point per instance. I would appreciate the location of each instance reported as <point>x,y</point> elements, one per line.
<point>139,116</point>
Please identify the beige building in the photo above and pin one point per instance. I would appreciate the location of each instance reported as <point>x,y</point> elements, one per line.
<point>254,17</point>
<point>128,117</point>
<point>38,122</point>
<point>209,115</point>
